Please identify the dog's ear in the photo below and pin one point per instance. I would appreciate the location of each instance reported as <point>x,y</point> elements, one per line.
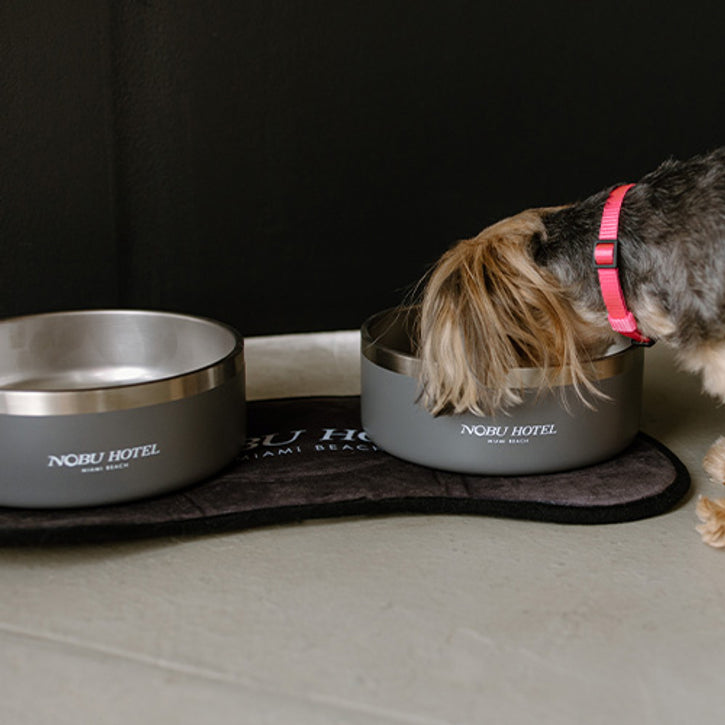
<point>488,308</point>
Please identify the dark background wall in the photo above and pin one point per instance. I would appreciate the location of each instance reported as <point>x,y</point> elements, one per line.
<point>288,166</point>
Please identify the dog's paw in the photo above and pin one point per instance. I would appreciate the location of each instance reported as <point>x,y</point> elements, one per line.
<point>714,461</point>
<point>712,515</point>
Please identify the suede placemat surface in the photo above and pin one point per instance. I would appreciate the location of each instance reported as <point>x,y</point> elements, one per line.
<point>309,458</point>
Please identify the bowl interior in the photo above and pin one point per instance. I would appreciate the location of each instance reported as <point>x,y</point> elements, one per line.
<point>107,348</point>
<point>394,330</point>
<point>389,339</point>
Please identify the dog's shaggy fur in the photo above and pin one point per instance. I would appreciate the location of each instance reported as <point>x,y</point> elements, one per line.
<point>524,292</point>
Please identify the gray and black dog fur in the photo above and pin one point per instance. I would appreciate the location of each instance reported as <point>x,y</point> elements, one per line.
<point>672,247</point>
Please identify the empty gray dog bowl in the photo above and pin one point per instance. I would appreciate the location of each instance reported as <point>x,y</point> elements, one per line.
<point>104,406</point>
<point>540,435</point>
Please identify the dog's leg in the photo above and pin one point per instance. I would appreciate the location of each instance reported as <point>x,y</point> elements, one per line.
<point>712,513</point>
<point>711,362</point>
<point>714,461</point>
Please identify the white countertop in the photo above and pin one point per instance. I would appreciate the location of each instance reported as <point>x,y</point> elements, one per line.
<point>427,620</point>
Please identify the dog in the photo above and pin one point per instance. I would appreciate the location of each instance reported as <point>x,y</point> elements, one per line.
<point>528,291</point>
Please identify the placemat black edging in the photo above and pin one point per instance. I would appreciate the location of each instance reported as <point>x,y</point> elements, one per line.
<point>284,515</point>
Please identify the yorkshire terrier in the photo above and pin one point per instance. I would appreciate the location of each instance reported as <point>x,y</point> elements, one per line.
<point>532,290</point>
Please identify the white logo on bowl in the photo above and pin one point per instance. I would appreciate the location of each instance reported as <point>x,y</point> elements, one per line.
<point>509,434</point>
<point>97,461</point>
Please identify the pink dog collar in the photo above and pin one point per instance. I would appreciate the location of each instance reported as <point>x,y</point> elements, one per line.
<point>605,260</point>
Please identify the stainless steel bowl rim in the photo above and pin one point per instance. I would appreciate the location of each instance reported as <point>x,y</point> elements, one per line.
<point>397,361</point>
<point>124,396</point>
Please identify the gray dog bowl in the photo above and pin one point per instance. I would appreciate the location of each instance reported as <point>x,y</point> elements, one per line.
<point>105,406</point>
<point>541,435</point>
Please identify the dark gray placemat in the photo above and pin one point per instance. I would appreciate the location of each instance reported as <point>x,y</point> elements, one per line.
<point>309,458</point>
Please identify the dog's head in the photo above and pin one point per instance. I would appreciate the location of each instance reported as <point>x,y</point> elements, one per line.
<point>488,308</point>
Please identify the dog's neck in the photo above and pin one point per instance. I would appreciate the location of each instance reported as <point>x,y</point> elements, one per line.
<point>567,249</point>
<point>567,253</point>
